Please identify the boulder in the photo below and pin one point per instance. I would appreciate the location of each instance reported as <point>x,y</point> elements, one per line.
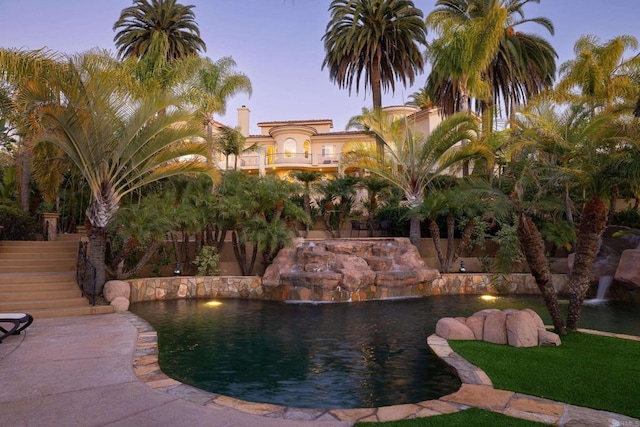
<point>495,330</point>
<point>452,329</point>
<point>116,288</point>
<point>548,338</point>
<point>120,304</point>
<point>536,317</point>
<point>628,271</point>
<point>522,330</point>
<point>476,324</point>
<point>610,251</point>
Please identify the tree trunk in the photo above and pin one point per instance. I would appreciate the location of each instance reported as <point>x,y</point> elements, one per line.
<point>25,177</point>
<point>532,246</point>
<point>464,241</point>
<point>151,251</point>
<point>414,231</point>
<point>435,236</point>
<point>97,248</point>
<point>592,224</point>
<point>451,229</point>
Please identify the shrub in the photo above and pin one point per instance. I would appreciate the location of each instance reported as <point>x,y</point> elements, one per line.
<point>17,224</point>
<point>629,217</point>
<point>207,261</point>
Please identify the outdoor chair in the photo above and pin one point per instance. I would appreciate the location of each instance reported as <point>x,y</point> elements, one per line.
<point>19,321</point>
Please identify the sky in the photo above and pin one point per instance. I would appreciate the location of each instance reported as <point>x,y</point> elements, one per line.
<point>277,44</point>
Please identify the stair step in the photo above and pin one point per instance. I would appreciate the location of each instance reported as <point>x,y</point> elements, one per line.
<point>70,311</point>
<point>43,278</point>
<point>22,306</point>
<point>52,262</point>
<point>38,255</point>
<point>38,244</point>
<point>38,269</point>
<point>39,294</point>
<point>34,287</point>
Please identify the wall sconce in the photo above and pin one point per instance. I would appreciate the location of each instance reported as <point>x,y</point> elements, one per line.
<point>463,269</point>
<point>176,269</point>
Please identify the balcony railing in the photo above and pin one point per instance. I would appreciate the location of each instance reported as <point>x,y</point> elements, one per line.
<point>254,161</point>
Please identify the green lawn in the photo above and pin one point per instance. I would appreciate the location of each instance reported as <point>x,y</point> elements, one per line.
<point>586,370</point>
<point>470,417</point>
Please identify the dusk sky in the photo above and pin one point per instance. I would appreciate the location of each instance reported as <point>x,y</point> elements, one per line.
<point>277,43</point>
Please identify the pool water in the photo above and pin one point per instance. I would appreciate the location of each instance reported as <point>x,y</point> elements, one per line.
<point>367,354</point>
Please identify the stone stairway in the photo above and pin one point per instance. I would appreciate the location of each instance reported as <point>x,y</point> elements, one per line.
<point>39,278</point>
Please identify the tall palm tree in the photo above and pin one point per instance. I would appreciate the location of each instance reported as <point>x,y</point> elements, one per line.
<point>378,40</point>
<point>515,65</point>
<point>118,143</point>
<point>157,28</point>
<point>600,75</point>
<point>412,161</point>
<point>212,85</point>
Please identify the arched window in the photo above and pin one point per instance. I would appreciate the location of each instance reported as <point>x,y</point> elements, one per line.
<point>307,149</point>
<point>290,147</point>
<point>270,156</point>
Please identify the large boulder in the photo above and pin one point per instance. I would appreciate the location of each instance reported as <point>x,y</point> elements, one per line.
<point>453,329</point>
<point>116,288</point>
<point>522,330</point>
<point>495,330</point>
<point>628,271</point>
<point>120,304</point>
<point>476,324</point>
<point>610,251</point>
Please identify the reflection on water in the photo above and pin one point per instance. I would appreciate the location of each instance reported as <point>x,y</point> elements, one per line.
<point>327,355</point>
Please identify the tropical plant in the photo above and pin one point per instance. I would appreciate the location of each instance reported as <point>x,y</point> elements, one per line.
<point>119,143</point>
<point>338,198</point>
<point>307,178</point>
<point>211,86</point>
<point>207,261</point>
<point>498,64</point>
<point>231,142</point>
<point>159,28</point>
<point>412,161</point>
<point>374,186</point>
<point>378,40</point>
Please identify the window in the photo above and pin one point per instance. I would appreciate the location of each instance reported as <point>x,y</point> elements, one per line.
<point>289,147</point>
<point>307,149</point>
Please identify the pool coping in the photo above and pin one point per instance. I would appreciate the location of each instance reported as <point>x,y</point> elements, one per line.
<point>476,391</point>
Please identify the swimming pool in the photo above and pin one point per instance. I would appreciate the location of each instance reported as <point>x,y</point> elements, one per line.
<point>367,354</point>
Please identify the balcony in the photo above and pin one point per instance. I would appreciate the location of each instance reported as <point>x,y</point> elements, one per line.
<point>284,160</point>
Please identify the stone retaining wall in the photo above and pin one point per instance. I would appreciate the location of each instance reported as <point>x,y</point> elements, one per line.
<point>250,287</point>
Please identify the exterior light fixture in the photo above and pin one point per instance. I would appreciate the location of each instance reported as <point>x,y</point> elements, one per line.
<point>488,298</point>
<point>176,270</point>
<point>213,304</point>
<point>463,269</point>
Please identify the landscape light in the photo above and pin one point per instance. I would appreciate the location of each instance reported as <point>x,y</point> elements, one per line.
<point>213,303</point>
<point>488,297</point>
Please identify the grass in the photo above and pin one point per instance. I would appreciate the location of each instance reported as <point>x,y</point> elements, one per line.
<point>586,370</point>
<point>468,417</point>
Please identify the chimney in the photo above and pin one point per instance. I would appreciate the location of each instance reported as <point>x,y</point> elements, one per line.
<point>243,120</point>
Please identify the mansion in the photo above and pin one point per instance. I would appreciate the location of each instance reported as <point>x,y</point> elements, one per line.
<point>285,146</point>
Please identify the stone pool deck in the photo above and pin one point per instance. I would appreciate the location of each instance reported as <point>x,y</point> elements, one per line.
<point>103,371</point>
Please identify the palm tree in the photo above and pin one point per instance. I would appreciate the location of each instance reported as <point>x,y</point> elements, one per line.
<point>514,64</point>
<point>600,75</point>
<point>211,87</point>
<point>412,161</point>
<point>231,142</point>
<point>306,178</point>
<point>158,28</point>
<point>377,40</point>
<point>118,143</point>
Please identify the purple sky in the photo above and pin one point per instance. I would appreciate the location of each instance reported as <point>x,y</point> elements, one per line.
<point>277,43</point>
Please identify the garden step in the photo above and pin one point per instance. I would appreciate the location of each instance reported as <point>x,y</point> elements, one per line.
<point>38,268</point>
<point>70,311</point>
<point>39,294</point>
<point>41,278</point>
<point>34,287</point>
<point>27,306</point>
<point>39,262</point>
<point>39,255</point>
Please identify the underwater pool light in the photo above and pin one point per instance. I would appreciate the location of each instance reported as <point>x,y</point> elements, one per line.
<point>213,303</point>
<point>488,298</point>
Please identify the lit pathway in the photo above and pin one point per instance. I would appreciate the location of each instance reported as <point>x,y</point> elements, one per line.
<point>76,371</point>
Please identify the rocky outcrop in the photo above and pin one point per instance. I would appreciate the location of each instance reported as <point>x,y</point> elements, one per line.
<point>348,270</point>
<point>517,328</point>
<point>628,271</point>
<point>116,288</point>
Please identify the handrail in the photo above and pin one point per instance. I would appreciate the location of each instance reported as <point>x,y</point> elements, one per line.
<point>86,273</point>
<point>45,231</point>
